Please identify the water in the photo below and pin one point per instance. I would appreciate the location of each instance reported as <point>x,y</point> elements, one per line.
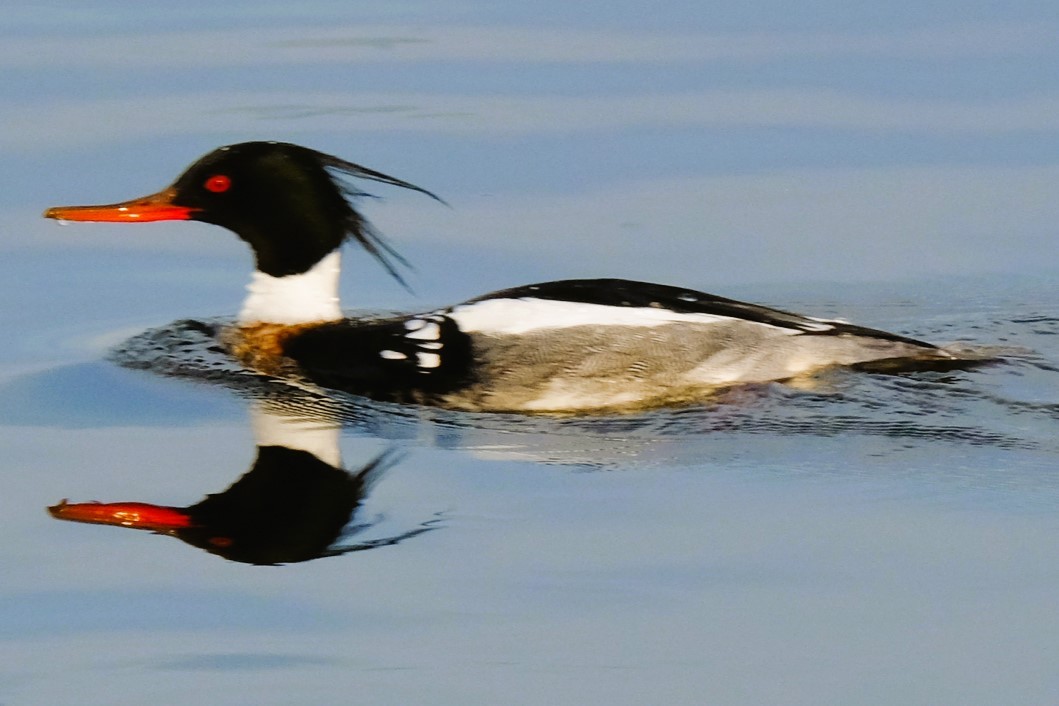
<point>860,539</point>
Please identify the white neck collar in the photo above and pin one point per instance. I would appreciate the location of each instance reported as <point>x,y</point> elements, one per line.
<point>294,299</point>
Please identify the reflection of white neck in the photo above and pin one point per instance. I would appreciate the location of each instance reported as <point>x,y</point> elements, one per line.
<point>317,436</point>
<point>294,299</point>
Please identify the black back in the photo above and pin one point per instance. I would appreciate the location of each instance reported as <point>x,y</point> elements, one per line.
<point>628,293</point>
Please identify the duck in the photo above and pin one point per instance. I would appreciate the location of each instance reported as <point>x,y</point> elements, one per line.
<point>569,346</point>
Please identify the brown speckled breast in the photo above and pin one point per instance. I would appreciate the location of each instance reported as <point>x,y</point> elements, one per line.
<point>261,346</point>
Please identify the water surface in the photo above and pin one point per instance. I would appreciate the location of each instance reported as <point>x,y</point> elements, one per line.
<point>863,539</point>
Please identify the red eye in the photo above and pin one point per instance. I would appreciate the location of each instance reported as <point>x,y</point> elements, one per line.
<point>218,183</point>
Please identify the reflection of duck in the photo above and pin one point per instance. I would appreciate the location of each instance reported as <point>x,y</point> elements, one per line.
<point>557,346</point>
<point>296,503</point>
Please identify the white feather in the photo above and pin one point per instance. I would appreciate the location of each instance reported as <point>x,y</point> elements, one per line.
<point>428,360</point>
<point>428,332</point>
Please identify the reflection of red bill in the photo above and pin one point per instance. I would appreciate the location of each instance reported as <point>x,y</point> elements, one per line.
<point>156,518</point>
<point>156,207</point>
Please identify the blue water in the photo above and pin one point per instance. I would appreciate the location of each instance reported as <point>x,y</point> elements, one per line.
<point>861,539</point>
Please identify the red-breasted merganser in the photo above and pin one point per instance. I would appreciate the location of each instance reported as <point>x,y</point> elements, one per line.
<point>567,346</point>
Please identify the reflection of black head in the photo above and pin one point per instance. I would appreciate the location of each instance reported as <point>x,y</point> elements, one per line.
<point>289,507</point>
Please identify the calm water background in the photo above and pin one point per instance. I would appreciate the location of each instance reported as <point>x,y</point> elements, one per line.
<point>870,541</point>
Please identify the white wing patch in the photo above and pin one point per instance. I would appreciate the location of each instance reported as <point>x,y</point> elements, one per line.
<point>424,334</point>
<point>519,316</point>
<point>429,331</point>
<point>428,360</point>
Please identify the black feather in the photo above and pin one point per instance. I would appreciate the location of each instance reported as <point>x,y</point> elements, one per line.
<point>358,227</point>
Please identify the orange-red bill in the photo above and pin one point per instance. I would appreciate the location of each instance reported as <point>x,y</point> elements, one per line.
<point>156,207</point>
<point>138,515</point>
